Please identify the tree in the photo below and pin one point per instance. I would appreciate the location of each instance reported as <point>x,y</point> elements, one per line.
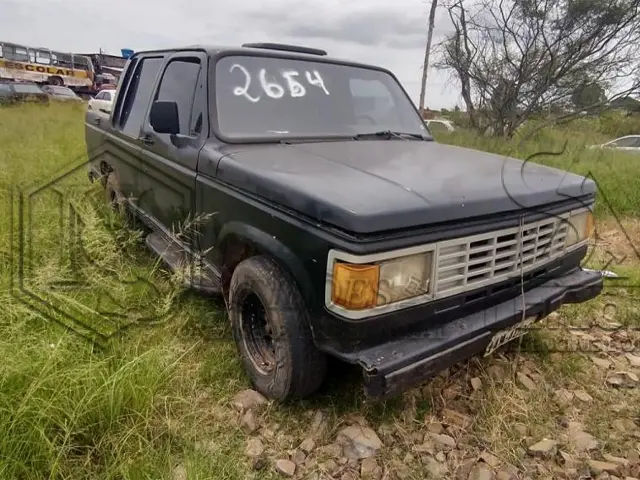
<point>427,52</point>
<point>516,57</point>
<point>588,93</point>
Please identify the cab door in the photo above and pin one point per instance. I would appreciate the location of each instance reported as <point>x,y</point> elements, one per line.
<point>169,161</point>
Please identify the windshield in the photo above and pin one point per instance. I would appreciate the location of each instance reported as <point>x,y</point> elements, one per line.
<point>62,91</point>
<point>276,97</point>
<point>21,88</point>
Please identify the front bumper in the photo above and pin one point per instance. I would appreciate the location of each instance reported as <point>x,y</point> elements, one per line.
<point>408,361</point>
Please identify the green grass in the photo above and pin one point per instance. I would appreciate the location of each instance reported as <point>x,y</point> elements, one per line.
<point>149,391</point>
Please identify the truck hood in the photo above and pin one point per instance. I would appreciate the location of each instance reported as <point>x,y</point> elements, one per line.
<point>374,185</point>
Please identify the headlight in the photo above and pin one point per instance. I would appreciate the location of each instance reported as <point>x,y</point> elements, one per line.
<point>358,287</point>
<point>580,228</point>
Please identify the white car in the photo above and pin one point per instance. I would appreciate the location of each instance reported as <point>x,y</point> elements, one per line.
<point>103,101</point>
<point>628,142</point>
<point>439,124</point>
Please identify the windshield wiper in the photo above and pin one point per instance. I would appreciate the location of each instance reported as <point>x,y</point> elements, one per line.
<point>392,134</point>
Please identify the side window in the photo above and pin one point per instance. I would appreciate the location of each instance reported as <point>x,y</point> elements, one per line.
<point>138,96</point>
<point>65,61</point>
<point>178,84</point>
<point>43,57</point>
<point>625,142</point>
<point>100,96</point>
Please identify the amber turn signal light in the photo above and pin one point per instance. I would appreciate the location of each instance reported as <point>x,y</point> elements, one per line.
<point>355,287</point>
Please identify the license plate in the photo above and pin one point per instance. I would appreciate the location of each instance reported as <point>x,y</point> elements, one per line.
<point>508,334</point>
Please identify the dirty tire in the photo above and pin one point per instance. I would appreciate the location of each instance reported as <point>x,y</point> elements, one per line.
<point>56,81</point>
<point>293,366</point>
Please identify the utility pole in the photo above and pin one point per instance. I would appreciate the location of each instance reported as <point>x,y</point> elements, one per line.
<point>427,51</point>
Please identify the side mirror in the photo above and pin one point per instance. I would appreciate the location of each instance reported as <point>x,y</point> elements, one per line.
<point>164,117</point>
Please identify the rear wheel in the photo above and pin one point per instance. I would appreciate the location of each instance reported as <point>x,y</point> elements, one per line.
<point>271,328</point>
<point>57,81</point>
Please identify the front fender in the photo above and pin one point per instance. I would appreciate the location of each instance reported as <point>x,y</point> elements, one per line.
<point>269,244</point>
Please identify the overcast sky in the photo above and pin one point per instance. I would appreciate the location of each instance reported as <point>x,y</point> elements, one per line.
<point>383,32</point>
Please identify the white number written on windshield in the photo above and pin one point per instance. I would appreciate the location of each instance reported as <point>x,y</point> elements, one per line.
<point>273,89</point>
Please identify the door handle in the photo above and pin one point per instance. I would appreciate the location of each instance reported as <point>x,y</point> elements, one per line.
<point>96,121</point>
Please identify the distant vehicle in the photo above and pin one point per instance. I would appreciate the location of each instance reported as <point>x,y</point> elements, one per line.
<point>61,93</point>
<point>628,142</point>
<point>103,101</point>
<point>439,124</point>
<point>44,66</point>
<point>12,92</point>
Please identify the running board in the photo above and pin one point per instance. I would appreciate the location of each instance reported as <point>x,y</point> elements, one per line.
<point>180,258</point>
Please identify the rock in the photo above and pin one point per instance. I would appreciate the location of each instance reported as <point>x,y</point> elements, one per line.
<point>319,425</point>
<point>359,442</point>
<point>443,441</point>
<point>434,468</point>
<point>369,469</point>
<point>633,456</point>
<point>426,447</point>
<point>456,418</point>
<point>601,362</point>
<point>569,461</point>
<point>545,448</point>
<point>285,467</point>
<point>464,469</point>
<point>504,475</point>
<point>496,372</point>
<point>247,399</point>
<point>476,383</point>
<point>258,463</point>
<point>522,429</point>
<point>480,472</point>
<point>619,460</point>
<point>386,432</point>
<point>624,425</point>
<point>330,466</point>
<point>333,450</point>
<point>433,425</point>
<point>490,459</point>
<point>634,360</point>
<point>526,382</point>
<point>623,379</point>
<point>400,470</point>
<point>179,473</point>
<point>581,440</point>
<point>255,447</point>
<point>583,396</point>
<point>307,445</point>
<point>298,457</point>
<point>249,422</point>
<point>562,396</point>
<point>596,467</point>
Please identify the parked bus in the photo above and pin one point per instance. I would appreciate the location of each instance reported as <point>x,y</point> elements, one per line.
<point>41,65</point>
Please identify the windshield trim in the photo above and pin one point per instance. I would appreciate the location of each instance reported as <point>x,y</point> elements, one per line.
<point>247,139</point>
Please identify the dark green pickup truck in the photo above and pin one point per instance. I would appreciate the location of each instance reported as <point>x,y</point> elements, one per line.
<point>336,225</point>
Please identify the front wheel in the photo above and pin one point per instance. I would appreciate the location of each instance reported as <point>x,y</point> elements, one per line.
<point>271,328</point>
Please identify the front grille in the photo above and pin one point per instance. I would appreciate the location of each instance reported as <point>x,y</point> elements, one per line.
<point>472,262</point>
